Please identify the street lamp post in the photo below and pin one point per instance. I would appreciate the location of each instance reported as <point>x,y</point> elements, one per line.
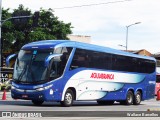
<point>127,33</point>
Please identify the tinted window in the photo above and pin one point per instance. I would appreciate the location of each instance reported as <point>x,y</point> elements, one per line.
<point>60,62</point>
<point>101,60</point>
<point>158,79</point>
<point>79,59</point>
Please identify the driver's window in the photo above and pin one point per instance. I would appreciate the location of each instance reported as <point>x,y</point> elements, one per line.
<point>59,63</point>
<point>55,68</point>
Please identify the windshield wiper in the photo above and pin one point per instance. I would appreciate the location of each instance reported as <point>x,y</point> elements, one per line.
<point>22,73</point>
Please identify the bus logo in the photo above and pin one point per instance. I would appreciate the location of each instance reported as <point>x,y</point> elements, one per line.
<point>102,76</point>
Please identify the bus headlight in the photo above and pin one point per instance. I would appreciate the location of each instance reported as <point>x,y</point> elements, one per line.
<point>12,87</point>
<point>40,89</point>
<point>44,88</point>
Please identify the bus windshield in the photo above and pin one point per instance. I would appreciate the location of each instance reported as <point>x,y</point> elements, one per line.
<point>29,66</point>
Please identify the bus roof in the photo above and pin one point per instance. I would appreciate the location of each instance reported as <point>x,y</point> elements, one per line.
<point>50,44</point>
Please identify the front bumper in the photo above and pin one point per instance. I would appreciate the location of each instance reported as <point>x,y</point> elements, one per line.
<point>34,95</point>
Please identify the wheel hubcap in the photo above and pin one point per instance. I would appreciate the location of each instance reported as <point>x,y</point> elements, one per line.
<point>138,98</point>
<point>68,98</point>
<point>129,99</point>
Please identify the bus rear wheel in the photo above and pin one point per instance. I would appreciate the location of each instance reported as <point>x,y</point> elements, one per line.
<point>68,99</point>
<point>129,99</point>
<point>137,98</point>
<point>37,103</point>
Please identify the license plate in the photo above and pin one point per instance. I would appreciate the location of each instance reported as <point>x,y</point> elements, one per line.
<point>24,96</point>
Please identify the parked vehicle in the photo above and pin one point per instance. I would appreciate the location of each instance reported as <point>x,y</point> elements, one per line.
<point>157,84</point>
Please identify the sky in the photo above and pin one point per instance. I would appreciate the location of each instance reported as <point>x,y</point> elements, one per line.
<point>107,21</point>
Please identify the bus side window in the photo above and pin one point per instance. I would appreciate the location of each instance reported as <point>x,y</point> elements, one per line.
<point>80,59</point>
<point>63,61</point>
<point>74,63</point>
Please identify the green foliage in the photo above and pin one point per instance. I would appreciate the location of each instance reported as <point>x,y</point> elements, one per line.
<point>17,32</point>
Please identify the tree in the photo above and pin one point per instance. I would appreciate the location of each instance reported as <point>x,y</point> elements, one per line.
<point>17,32</point>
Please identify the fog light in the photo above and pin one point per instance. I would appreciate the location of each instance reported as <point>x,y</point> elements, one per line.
<point>40,96</point>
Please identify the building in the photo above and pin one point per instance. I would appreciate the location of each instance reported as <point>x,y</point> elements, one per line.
<point>80,38</point>
<point>140,52</point>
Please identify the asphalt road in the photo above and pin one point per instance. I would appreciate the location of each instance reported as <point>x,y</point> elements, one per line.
<point>23,105</point>
<point>81,109</point>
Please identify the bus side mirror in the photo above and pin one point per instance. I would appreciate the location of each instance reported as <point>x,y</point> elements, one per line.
<point>9,58</point>
<point>49,58</point>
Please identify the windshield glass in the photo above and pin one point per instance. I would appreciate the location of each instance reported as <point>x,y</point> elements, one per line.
<point>29,67</point>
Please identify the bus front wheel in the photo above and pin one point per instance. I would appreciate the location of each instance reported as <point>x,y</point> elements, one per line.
<point>68,99</point>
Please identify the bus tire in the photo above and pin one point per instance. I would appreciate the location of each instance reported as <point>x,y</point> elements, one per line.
<point>129,98</point>
<point>68,99</point>
<point>37,103</point>
<point>137,98</point>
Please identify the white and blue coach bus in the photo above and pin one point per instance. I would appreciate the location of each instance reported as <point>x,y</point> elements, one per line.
<point>64,71</point>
